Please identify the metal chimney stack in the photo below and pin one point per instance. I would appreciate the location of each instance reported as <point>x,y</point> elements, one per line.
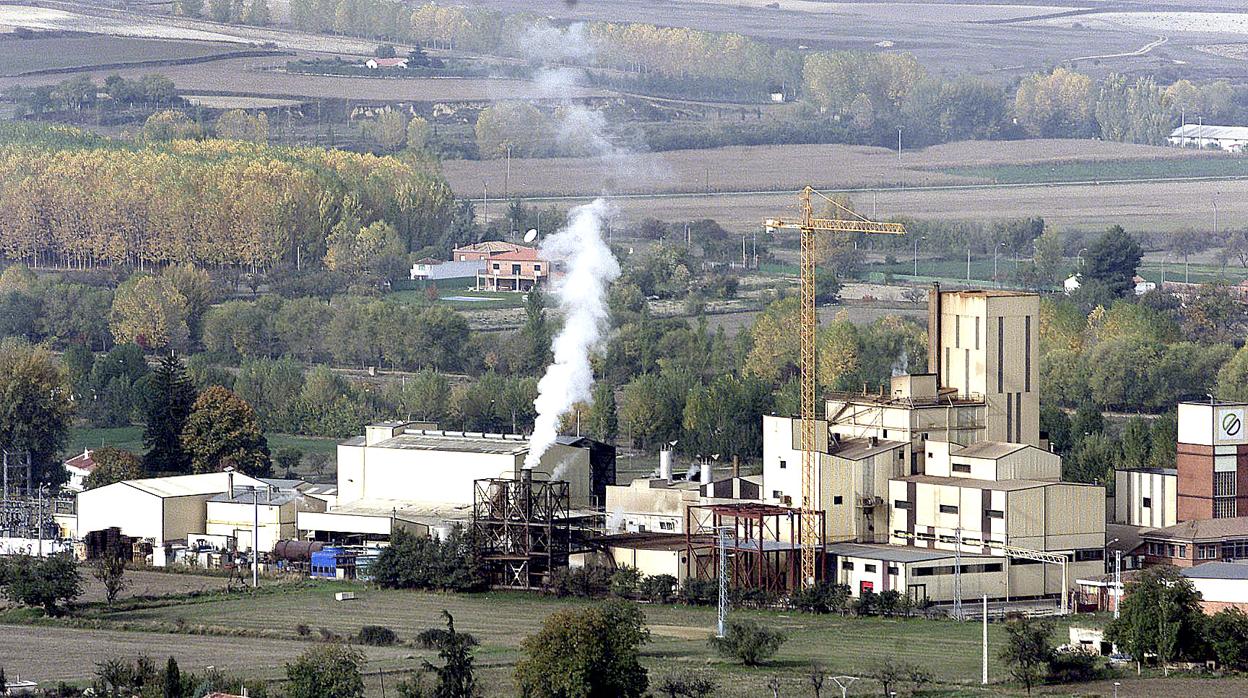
<point>665,464</point>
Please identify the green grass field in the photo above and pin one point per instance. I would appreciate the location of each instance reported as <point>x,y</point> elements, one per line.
<point>131,439</point>
<point>1091,171</point>
<point>501,620</point>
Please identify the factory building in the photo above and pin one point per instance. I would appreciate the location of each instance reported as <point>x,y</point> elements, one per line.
<point>234,514</point>
<point>920,573</point>
<point>402,475</point>
<point>160,509</point>
<point>1146,497</point>
<point>1212,461</point>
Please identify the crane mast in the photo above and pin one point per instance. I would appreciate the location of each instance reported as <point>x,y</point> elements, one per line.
<point>808,323</point>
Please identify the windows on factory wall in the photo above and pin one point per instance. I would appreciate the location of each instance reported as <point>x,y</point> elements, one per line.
<point>1207,552</point>
<point>892,569</point>
<point>961,468</point>
<point>1148,502</point>
<point>1235,550</point>
<point>994,513</point>
<point>1167,550</point>
<point>901,504</point>
<point>1223,507</point>
<point>948,569</point>
<point>868,568</point>
<point>1089,554</point>
<point>948,509</point>
<point>847,565</point>
<point>1224,492</point>
<point>783,465</point>
<point>667,525</point>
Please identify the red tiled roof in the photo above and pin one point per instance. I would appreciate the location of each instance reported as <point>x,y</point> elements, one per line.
<point>390,62</point>
<point>524,254</point>
<point>82,461</point>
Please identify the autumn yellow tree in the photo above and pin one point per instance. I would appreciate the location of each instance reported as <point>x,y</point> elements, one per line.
<point>150,312</point>
<point>774,351</point>
<point>168,125</point>
<point>517,125</point>
<point>237,124</point>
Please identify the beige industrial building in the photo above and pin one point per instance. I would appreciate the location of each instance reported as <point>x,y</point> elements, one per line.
<point>988,346</point>
<point>1146,497</point>
<point>235,514</point>
<point>160,509</point>
<point>852,477</point>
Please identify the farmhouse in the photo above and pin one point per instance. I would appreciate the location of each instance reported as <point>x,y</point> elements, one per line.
<point>79,468</point>
<point>380,63</point>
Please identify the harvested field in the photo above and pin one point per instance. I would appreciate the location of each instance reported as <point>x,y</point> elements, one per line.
<point>18,56</point>
<point>1137,206</point>
<point>779,167</point>
<point>150,583</point>
<point>228,102</point>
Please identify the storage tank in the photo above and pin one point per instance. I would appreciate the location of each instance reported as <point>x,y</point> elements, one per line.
<point>297,550</point>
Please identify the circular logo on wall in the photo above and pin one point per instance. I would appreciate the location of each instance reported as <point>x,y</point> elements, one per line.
<point>1231,424</point>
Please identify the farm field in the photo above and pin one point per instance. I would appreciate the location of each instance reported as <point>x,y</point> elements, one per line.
<point>1137,206</point>
<point>19,56</point>
<point>995,40</point>
<point>501,620</point>
<point>834,166</point>
<point>261,76</point>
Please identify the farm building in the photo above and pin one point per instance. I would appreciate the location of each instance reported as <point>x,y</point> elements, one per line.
<point>1229,138</point>
<point>161,509</point>
<point>378,63</point>
<point>432,269</point>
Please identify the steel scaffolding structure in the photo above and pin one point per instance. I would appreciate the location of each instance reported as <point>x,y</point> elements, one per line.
<point>522,528</point>
<point>763,544</point>
<point>25,509</point>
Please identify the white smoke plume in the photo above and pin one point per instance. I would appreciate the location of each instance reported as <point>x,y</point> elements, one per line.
<point>581,296</point>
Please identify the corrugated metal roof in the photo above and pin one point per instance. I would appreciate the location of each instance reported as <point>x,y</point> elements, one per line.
<point>1217,570</point>
<point>464,444</point>
<point>991,450</point>
<point>190,485</point>
<point>892,553</point>
<point>857,449</point>
<point>1234,133</point>
<point>1000,485</point>
<point>1202,530</point>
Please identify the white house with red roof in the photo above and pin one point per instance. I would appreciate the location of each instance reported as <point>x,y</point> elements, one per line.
<point>78,468</point>
<point>519,270</point>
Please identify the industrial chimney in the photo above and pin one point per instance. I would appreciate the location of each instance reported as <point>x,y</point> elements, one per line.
<point>665,464</point>
<point>933,332</point>
<point>705,474</point>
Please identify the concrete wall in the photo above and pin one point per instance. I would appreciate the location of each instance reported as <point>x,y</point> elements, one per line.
<point>632,507</point>
<point>652,562</point>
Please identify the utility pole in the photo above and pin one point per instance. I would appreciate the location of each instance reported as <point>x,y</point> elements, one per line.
<point>968,264</point>
<point>507,176</point>
<point>957,573</point>
<point>723,581</point>
<point>39,521</point>
<point>844,682</point>
<point>984,679</point>
<point>1117,581</point>
<point>255,538</point>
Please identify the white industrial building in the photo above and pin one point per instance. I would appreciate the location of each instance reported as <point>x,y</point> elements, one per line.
<point>1221,585</point>
<point>405,475</point>
<point>235,515</point>
<point>160,509</point>
<point>1146,497</point>
<point>1230,138</point>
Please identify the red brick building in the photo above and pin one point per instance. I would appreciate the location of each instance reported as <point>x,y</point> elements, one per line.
<point>520,270</point>
<point>1212,461</point>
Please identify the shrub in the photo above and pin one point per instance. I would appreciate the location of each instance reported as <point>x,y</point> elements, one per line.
<point>824,597</point>
<point>376,635</point>
<point>1072,666</point>
<point>659,588</point>
<point>303,630</point>
<point>587,582</point>
<point>699,592</point>
<point>625,582</point>
<point>748,642</point>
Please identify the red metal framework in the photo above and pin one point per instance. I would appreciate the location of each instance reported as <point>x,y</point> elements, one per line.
<point>764,544</point>
<point>522,528</point>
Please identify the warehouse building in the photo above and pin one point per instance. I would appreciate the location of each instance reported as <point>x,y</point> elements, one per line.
<point>920,573</point>
<point>1230,138</point>
<point>1221,585</point>
<point>161,509</point>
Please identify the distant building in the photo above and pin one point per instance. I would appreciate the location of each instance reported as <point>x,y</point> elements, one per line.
<point>1192,543</point>
<point>376,63</point>
<point>435,270</point>
<point>79,468</point>
<point>1221,585</point>
<point>160,509</point>
<point>481,251</point>
<point>520,270</point>
<point>1229,138</point>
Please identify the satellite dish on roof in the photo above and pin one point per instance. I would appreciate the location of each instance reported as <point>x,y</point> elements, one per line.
<point>531,235</point>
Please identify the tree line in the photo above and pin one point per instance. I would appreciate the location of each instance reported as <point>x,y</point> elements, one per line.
<point>73,200</point>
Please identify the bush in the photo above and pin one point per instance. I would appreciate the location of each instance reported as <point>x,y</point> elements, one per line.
<point>376,635</point>
<point>303,630</point>
<point>591,581</point>
<point>659,588</point>
<point>699,592</point>
<point>1073,666</point>
<point>625,582</point>
<point>748,642</point>
<point>824,597</point>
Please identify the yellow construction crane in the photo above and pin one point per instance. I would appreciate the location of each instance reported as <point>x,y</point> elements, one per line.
<point>808,226</point>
